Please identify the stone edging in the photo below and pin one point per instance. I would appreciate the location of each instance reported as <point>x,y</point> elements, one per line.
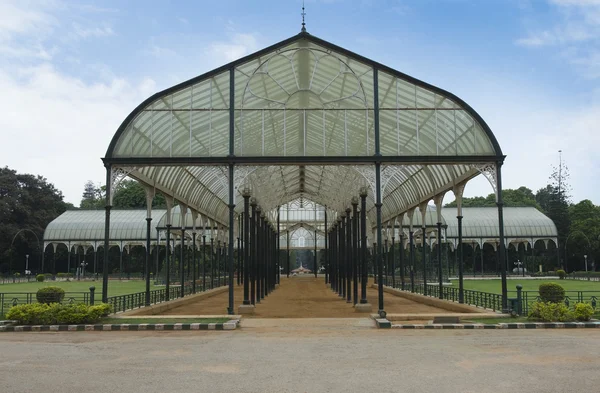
<point>527,325</point>
<point>231,325</point>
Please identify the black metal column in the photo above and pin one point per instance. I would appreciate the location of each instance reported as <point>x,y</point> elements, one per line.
<point>363,245</point>
<point>503,266</point>
<point>461,288</point>
<point>424,251</point>
<point>342,257</point>
<point>393,261</point>
<point>278,269</point>
<point>181,258</point>
<point>349,256</point>
<point>411,257</point>
<point>439,256</point>
<point>259,253</point>
<point>288,253</point>
<point>401,251</point>
<point>354,250</point>
<point>147,264</point>
<point>246,236</point>
<point>195,267</point>
<point>253,253</point>
<point>203,261</point>
<point>106,236</point>
<point>168,263</point>
<point>325,239</point>
<point>212,261</point>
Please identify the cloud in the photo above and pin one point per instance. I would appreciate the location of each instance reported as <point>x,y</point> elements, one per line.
<point>60,126</point>
<point>238,46</point>
<point>576,30</point>
<point>92,32</point>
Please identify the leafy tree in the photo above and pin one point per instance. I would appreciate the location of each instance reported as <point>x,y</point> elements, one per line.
<point>522,196</point>
<point>129,195</point>
<point>29,203</point>
<point>93,196</point>
<point>584,236</point>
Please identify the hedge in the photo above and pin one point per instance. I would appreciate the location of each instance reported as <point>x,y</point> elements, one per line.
<point>57,314</point>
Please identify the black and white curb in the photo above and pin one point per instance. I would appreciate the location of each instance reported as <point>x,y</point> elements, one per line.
<point>230,325</point>
<point>527,325</point>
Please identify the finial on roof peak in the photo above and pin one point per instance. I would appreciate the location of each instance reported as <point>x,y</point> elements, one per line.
<point>303,30</point>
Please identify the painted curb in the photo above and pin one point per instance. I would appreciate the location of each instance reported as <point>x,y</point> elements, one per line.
<point>527,325</point>
<point>383,323</point>
<point>231,325</point>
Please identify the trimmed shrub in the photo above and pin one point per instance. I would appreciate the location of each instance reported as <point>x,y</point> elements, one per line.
<point>40,278</point>
<point>17,274</point>
<point>57,314</point>
<point>550,312</point>
<point>561,274</point>
<point>49,295</point>
<point>583,312</point>
<point>551,292</point>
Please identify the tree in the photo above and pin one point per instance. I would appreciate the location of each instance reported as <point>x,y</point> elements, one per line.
<point>554,201</point>
<point>129,195</point>
<point>584,235</point>
<point>93,196</point>
<point>26,202</point>
<point>522,196</point>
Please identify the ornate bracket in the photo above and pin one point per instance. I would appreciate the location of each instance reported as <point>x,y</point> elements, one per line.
<point>117,175</point>
<point>488,169</point>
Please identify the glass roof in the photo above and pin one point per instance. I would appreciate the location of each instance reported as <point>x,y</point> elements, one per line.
<point>303,97</point>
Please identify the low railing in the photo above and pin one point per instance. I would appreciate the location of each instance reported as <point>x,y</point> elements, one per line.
<point>523,300</point>
<point>11,299</point>
<point>492,301</point>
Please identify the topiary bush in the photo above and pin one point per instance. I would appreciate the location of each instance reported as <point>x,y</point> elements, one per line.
<point>561,274</point>
<point>57,314</point>
<point>550,312</point>
<point>583,312</point>
<point>49,295</point>
<point>40,278</point>
<point>551,292</point>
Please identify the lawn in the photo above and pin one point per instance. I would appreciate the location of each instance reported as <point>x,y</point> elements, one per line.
<point>495,286</point>
<point>115,287</point>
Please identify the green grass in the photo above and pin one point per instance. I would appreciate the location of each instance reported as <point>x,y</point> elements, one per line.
<point>135,321</point>
<point>115,287</point>
<point>495,286</point>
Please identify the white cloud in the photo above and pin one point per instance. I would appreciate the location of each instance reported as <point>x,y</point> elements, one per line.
<point>238,46</point>
<point>577,32</point>
<point>92,32</point>
<point>60,126</point>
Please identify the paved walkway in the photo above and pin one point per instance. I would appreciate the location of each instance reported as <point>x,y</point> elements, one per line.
<point>304,297</point>
<point>302,359</point>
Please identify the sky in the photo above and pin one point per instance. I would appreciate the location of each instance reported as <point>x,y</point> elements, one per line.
<point>70,72</point>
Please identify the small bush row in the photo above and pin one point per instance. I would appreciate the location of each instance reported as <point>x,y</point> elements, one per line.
<point>57,314</point>
<point>558,312</point>
<point>49,295</point>
<point>64,275</point>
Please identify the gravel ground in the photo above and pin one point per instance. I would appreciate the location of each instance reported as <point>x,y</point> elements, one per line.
<point>302,355</point>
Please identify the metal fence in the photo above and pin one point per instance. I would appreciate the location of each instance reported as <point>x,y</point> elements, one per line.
<point>518,301</point>
<point>11,299</point>
<point>120,302</point>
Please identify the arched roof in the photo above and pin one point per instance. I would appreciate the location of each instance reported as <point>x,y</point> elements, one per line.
<point>520,223</point>
<point>300,118</point>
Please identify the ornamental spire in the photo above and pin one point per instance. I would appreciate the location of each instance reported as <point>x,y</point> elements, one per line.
<point>303,22</point>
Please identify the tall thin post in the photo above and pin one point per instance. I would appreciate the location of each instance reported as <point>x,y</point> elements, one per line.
<point>424,251</point>
<point>212,258</point>
<point>363,244</point>
<point>500,204</point>
<point>106,235</point>
<point>411,239</point>
<point>393,262</point>
<point>278,264</point>
<point>349,256</point>
<point>326,249</point>
<point>203,261</point>
<point>439,256</point>
<point>181,259</point>
<point>459,253</point>
<point>253,252</point>
<point>401,251</point>
<point>246,235</point>
<point>168,263</point>
<point>147,264</point>
<point>230,242</point>
<point>195,270</point>
<point>354,250</point>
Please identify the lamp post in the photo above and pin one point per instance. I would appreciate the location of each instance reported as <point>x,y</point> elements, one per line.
<point>585,258</point>
<point>27,266</point>
<point>82,269</point>
<point>519,263</point>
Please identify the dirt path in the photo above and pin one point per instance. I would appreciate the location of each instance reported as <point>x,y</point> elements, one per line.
<point>302,297</point>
